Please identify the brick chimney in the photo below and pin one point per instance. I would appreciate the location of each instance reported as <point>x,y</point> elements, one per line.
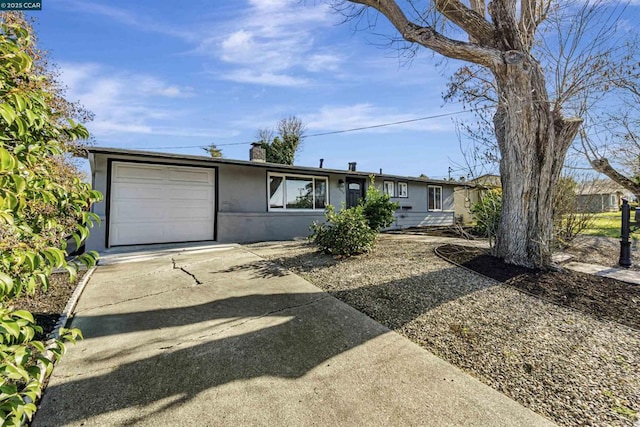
<point>257,153</point>
<point>352,166</point>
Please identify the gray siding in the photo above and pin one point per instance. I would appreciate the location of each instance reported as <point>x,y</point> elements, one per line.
<point>414,212</point>
<point>423,219</point>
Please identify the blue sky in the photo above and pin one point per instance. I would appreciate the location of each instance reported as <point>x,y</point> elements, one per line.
<point>161,74</point>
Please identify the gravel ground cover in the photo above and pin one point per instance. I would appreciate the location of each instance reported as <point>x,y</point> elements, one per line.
<point>602,251</point>
<point>564,363</point>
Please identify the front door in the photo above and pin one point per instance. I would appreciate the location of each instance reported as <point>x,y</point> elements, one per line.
<point>355,191</point>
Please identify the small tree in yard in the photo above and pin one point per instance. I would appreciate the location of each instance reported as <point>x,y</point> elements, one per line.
<point>568,221</point>
<point>486,212</point>
<point>378,207</point>
<point>37,210</point>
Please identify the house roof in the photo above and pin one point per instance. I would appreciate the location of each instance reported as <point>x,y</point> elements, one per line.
<point>599,186</point>
<point>488,180</point>
<point>219,160</point>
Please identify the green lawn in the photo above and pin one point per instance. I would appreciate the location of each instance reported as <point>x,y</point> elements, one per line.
<point>606,224</point>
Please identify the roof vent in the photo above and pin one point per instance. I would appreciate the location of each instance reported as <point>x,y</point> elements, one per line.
<point>321,162</point>
<point>257,153</point>
<point>352,166</point>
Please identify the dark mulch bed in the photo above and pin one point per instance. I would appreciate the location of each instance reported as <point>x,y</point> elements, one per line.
<point>444,231</point>
<point>601,297</point>
<point>47,306</point>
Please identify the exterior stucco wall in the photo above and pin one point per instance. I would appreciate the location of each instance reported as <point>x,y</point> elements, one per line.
<point>245,227</point>
<point>244,215</point>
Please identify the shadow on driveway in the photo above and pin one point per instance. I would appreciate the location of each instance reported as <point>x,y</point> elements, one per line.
<point>315,330</point>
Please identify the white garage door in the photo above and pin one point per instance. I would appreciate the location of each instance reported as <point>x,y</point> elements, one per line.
<point>160,204</point>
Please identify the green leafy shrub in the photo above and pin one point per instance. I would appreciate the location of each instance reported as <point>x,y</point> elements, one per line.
<point>487,212</point>
<point>38,208</point>
<point>345,233</point>
<point>378,208</point>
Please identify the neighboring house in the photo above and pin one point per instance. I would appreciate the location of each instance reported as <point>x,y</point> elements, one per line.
<point>154,197</point>
<point>468,195</point>
<point>600,195</point>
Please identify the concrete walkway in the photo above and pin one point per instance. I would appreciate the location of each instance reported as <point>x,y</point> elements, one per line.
<point>622,274</point>
<point>223,337</point>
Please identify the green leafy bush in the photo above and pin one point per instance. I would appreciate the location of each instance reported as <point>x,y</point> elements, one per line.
<point>345,233</point>
<point>487,212</point>
<point>38,208</point>
<point>378,208</point>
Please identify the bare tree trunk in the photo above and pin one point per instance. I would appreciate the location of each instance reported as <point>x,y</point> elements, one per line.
<point>533,142</point>
<point>533,139</point>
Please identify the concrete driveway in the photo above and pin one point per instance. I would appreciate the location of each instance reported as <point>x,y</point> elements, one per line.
<point>223,337</point>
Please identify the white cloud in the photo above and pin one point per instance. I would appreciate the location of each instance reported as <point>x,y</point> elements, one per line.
<point>122,102</point>
<point>270,79</point>
<point>323,62</point>
<point>273,43</point>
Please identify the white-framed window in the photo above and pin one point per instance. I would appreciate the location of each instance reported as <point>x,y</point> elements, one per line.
<point>389,188</point>
<point>297,192</point>
<point>435,198</point>
<point>403,189</point>
<point>614,200</point>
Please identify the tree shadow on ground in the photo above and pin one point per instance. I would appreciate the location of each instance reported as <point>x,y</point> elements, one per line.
<point>315,330</point>
<point>398,302</point>
<point>260,269</point>
<point>246,306</point>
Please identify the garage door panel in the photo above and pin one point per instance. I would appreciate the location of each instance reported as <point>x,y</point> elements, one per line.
<point>181,193</point>
<point>136,234</point>
<point>187,230</point>
<point>140,172</point>
<point>189,176</point>
<point>195,213</point>
<point>135,191</point>
<point>160,204</point>
<point>133,211</point>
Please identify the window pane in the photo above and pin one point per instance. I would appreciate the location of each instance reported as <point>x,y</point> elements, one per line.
<point>276,192</point>
<point>431,198</point>
<point>402,189</point>
<point>321,193</point>
<point>388,188</point>
<point>435,198</point>
<point>299,193</point>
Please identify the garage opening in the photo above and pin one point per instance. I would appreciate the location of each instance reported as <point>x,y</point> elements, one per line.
<point>160,204</point>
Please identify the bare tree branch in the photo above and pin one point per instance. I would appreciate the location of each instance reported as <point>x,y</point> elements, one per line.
<point>474,24</point>
<point>428,37</point>
<point>603,166</point>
